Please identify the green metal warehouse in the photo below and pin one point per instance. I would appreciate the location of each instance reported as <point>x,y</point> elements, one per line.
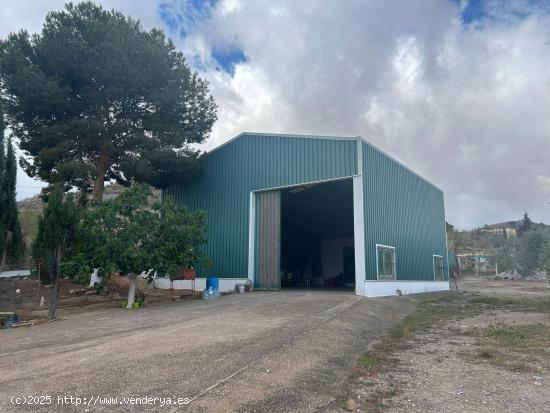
<point>303,211</point>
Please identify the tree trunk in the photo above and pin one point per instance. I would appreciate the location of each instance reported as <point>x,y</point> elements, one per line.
<point>99,184</point>
<point>9,236</point>
<point>4,254</point>
<point>54,292</point>
<point>131,290</point>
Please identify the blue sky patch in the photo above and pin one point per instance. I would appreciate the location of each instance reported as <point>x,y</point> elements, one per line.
<point>478,10</point>
<point>180,15</point>
<point>475,10</point>
<point>170,19</point>
<point>227,59</point>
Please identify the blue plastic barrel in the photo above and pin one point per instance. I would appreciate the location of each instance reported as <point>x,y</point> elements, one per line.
<point>213,282</point>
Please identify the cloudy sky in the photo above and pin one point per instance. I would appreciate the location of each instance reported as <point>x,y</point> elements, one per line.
<point>457,90</point>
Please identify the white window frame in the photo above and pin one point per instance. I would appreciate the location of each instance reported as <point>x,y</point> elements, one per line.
<point>442,267</point>
<point>389,247</point>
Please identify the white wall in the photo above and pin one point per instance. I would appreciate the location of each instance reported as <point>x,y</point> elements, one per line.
<point>15,273</point>
<point>226,284</point>
<point>385,288</point>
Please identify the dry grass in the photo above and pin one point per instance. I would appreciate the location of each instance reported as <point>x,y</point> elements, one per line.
<point>499,344</point>
<point>536,304</point>
<point>520,348</point>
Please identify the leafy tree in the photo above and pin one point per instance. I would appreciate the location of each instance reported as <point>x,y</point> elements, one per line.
<point>530,249</point>
<point>11,240</point>
<point>526,223</point>
<point>506,258</point>
<point>128,236</point>
<point>56,232</point>
<point>94,97</point>
<point>545,255</point>
<point>179,237</point>
<point>451,235</point>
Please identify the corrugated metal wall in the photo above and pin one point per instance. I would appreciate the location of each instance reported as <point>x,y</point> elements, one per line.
<point>401,209</point>
<point>254,162</point>
<point>404,211</point>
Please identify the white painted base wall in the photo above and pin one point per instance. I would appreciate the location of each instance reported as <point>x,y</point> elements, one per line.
<point>226,284</point>
<point>385,288</point>
<point>372,288</point>
<point>15,273</point>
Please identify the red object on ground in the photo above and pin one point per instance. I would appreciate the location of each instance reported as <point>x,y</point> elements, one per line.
<point>186,274</point>
<point>183,274</point>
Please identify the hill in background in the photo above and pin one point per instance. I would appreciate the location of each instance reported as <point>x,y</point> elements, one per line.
<point>30,210</point>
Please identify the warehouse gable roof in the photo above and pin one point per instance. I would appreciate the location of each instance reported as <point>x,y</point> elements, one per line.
<point>309,136</point>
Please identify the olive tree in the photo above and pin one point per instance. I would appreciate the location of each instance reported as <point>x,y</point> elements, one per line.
<point>127,235</point>
<point>530,249</point>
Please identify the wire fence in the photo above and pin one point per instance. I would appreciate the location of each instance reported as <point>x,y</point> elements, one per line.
<point>24,285</point>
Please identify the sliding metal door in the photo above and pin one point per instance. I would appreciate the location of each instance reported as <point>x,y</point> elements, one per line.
<point>269,239</point>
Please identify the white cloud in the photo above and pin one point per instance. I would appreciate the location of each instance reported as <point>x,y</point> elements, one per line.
<point>464,105</point>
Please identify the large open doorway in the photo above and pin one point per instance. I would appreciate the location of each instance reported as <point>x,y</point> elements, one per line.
<point>317,240</point>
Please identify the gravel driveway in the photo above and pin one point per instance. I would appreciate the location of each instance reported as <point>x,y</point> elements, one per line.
<point>265,351</point>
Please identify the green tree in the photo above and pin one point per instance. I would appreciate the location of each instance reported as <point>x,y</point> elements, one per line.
<point>545,255</point>
<point>11,240</point>
<point>56,233</point>
<point>94,97</point>
<point>179,237</point>
<point>530,250</point>
<point>129,236</point>
<point>506,257</point>
<point>526,224</point>
<point>451,235</point>
<point>3,206</point>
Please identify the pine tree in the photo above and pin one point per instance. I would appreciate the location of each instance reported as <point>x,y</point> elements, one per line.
<point>16,248</point>
<point>526,223</point>
<point>56,231</point>
<point>12,246</point>
<point>3,208</point>
<point>94,97</point>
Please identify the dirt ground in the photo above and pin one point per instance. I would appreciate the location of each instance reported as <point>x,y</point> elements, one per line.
<point>22,296</point>
<point>485,348</point>
<point>287,351</point>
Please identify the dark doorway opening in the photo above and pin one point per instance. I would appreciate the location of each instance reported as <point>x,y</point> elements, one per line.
<point>317,249</point>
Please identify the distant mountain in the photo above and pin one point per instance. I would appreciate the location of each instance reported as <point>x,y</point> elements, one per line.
<point>502,225</point>
<point>512,224</point>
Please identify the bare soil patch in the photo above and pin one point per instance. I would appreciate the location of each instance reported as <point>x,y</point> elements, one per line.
<point>22,295</point>
<point>287,351</point>
<point>461,351</point>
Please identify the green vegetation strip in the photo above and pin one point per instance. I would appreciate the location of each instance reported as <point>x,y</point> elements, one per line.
<point>539,304</point>
<point>520,348</point>
<point>428,312</point>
